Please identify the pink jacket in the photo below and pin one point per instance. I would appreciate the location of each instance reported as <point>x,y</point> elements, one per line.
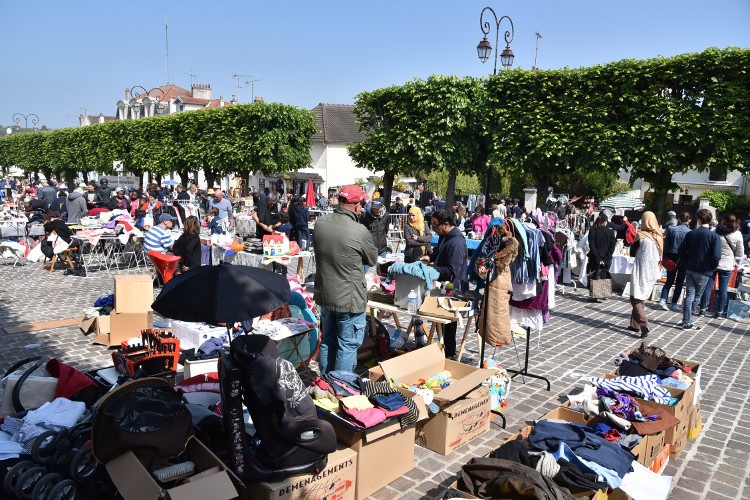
<point>480,224</point>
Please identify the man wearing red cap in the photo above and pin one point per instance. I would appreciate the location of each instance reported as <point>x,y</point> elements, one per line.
<point>343,247</point>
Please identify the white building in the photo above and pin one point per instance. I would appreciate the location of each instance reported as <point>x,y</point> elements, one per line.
<point>692,183</point>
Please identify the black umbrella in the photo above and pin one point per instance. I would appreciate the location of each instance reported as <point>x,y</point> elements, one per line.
<point>222,294</point>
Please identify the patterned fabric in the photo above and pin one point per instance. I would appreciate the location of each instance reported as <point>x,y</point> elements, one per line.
<point>370,388</point>
<point>647,387</point>
<point>623,406</point>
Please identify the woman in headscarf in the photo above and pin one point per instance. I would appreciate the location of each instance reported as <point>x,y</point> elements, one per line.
<point>418,236</point>
<point>647,250</point>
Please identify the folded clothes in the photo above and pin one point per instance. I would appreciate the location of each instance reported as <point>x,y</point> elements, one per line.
<point>646,387</point>
<point>364,418</point>
<point>326,404</point>
<point>672,382</point>
<point>389,402</point>
<point>630,441</point>
<point>342,390</point>
<point>357,402</point>
<point>395,413</point>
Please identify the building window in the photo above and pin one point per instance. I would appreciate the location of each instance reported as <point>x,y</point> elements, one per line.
<point>717,175</point>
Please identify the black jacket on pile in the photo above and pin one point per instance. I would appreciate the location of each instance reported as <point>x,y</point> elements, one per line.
<point>497,478</point>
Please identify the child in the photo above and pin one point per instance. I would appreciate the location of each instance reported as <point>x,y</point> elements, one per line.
<point>215,223</point>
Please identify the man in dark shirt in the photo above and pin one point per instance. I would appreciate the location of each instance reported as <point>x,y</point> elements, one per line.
<point>266,216</point>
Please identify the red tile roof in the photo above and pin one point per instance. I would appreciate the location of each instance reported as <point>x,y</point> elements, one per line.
<point>194,100</point>
<point>170,91</point>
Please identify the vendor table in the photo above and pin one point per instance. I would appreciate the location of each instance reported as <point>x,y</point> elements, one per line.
<point>621,269</point>
<point>470,244</point>
<point>436,323</point>
<point>243,258</point>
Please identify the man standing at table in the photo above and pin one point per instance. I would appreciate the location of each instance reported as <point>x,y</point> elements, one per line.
<point>343,247</point>
<point>224,206</point>
<point>450,261</point>
<point>266,215</point>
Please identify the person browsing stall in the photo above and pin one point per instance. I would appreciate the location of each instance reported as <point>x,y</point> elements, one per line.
<point>188,245</point>
<point>343,247</point>
<point>266,216</point>
<point>223,204</point>
<point>376,221</point>
<point>159,237</point>
<point>450,260</point>
<point>417,235</point>
<point>215,225</point>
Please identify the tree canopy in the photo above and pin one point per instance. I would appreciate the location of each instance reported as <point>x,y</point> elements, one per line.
<point>257,137</point>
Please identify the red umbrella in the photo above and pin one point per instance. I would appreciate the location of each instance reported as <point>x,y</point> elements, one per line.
<point>310,194</point>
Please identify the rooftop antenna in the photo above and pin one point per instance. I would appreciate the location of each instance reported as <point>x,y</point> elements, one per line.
<point>191,75</point>
<point>252,88</point>
<point>166,40</point>
<point>238,83</point>
<point>538,36</point>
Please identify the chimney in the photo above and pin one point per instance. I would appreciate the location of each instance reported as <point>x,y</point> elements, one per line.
<point>127,94</point>
<point>101,118</point>
<point>201,91</point>
<point>233,101</point>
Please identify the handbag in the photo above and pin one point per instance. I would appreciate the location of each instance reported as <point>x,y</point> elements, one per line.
<point>669,264</point>
<point>599,287</point>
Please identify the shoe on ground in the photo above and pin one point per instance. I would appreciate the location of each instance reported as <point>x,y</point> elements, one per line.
<point>700,313</point>
<point>680,324</point>
<point>645,332</point>
<point>675,307</point>
<point>663,305</point>
<point>631,329</point>
<point>693,328</point>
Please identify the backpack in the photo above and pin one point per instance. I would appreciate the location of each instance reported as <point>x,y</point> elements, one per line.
<point>630,233</point>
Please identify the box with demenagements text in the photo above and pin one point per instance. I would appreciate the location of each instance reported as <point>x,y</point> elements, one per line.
<point>464,405</point>
<point>337,481</point>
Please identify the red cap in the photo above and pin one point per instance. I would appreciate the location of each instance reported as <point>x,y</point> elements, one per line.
<point>353,193</point>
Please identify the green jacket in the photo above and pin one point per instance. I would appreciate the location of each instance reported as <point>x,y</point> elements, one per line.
<point>343,247</point>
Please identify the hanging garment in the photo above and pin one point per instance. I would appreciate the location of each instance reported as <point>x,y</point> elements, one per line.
<point>498,316</point>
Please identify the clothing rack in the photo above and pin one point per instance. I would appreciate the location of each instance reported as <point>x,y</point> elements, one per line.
<point>524,371</point>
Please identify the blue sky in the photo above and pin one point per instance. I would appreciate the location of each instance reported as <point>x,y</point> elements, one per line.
<point>60,57</point>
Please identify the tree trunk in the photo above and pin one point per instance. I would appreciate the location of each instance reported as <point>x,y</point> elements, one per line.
<point>388,178</point>
<point>450,190</point>
<point>660,200</point>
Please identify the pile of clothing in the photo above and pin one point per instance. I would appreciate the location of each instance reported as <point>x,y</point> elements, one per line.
<point>653,361</point>
<point>361,402</point>
<point>622,412</point>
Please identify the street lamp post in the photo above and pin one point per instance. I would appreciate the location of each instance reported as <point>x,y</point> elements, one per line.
<point>17,118</point>
<point>484,49</point>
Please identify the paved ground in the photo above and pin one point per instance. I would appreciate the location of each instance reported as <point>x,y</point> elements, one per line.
<point>581,339</point>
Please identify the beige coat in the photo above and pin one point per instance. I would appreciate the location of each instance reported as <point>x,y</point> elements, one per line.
<point>499,293</point>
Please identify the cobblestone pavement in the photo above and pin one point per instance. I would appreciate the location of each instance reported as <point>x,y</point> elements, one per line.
<point>581,339</point>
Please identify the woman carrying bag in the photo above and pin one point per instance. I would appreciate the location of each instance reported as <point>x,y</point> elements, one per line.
<point>647,250</point>
<point>601,248</point>
<point>418,236</point>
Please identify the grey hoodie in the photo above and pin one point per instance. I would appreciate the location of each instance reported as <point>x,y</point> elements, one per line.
<point>76,207</point>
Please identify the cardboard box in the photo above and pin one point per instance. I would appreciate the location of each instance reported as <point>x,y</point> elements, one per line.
<point>695,422</point>
<point>97,324</point>
<point>678,441</point>
<point>384,453</point>
<point>134,293</point>
<point>193,335</point>
<point>641,451</point>
<point>336,482</point>
<point>653,447</point>
<point>456,424</point>
<point>429,361</point>
<point>124,326</point>
<point>134,482</point>
<point>432,307</point>
<point>660,461</point>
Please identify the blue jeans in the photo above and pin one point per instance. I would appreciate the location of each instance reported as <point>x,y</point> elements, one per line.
<point>720,297</point>
<point>341,336</point>
<point>676,278</point>
<point>302,236</point>
<point>695,284</point>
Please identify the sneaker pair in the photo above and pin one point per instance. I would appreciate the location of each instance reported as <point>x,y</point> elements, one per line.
<point>701,313</point>
<point>663,305</point>
<point>694,328</point>
<point>675,307</point>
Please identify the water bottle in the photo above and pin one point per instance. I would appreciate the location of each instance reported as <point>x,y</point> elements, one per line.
<point>412,302</point>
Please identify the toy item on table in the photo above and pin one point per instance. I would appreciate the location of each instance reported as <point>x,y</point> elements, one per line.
<point>275,245</point>
<point>237,245</point>
<point>437,382</point>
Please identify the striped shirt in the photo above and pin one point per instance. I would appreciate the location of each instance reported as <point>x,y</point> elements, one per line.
<point>158,239</point>
<point>647,387</point>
